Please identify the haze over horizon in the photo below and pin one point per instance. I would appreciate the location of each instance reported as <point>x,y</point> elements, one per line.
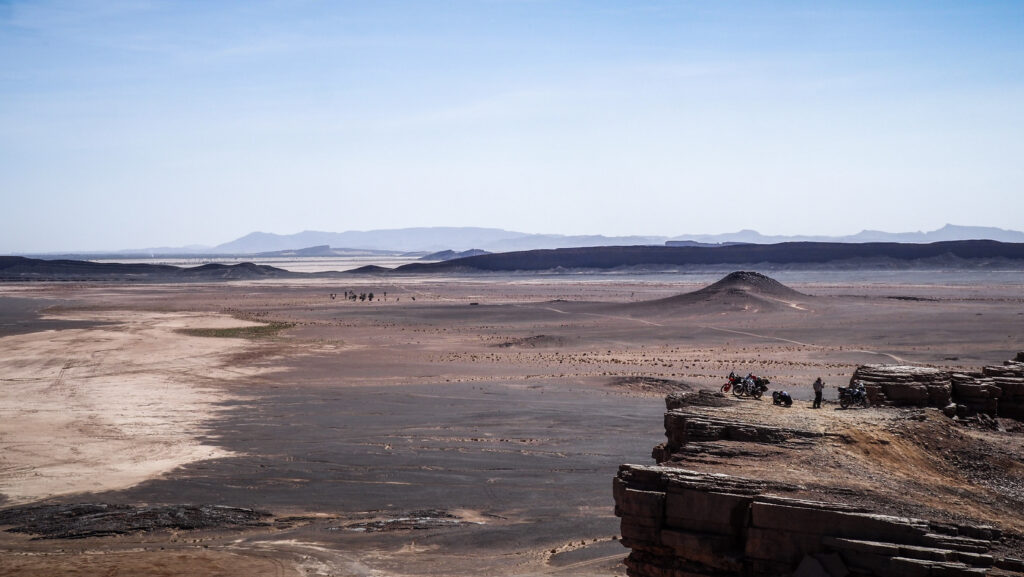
<point>145,124</point>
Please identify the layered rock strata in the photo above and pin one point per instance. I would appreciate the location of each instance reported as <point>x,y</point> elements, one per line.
<point>1009,379</point>
<point>996,390</point>
<point>683,523</point>
<point>700,433</point>
<point>905,385</point>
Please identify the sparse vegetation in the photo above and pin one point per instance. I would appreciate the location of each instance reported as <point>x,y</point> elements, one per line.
<point>252,332</point>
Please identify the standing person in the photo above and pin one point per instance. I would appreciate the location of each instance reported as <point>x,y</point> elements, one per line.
<point>819,386</point>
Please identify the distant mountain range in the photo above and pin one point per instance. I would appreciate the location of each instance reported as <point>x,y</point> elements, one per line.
<point>458,239</point>
<point>497,240</point>
<point>949,232</point>
<point>425,240</point>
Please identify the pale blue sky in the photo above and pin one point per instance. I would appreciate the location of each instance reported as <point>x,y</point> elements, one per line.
<point>127,124</point>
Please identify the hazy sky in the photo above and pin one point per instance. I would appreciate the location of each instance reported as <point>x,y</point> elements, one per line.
<point>128,124</point>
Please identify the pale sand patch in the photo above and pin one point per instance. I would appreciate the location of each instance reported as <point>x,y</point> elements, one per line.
<point>109,407</point>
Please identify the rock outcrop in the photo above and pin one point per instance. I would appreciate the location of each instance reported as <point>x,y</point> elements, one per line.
<point>698,433</point>
<point>996,390</point>
<point>699,398</point>
<point>1009,379</point>
<point>905,385</point>
<point>683,523</point>
<point>81,520</point>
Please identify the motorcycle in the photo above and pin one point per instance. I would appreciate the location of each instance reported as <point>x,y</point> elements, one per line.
<point>731,381</point>
<point>782,398</point>
<point>855,394</point>
<point>751,386</point>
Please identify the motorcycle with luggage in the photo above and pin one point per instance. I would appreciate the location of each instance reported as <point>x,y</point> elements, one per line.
<point>751,386</point>
<point>853,395</point>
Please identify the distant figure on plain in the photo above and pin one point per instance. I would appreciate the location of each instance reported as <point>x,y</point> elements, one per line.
<point>819,386</point>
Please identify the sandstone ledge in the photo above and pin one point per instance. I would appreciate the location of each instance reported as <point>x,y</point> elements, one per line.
<point>696,433</point>
<point>682,523</point>
<point>996,390</point>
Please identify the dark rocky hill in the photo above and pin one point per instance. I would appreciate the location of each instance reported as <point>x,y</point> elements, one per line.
<point>740,290</point>
<point>451,254</point>
<point>751,283</point>
<point>240,271</point>
<point>16,268</point>
<point>953,254</point>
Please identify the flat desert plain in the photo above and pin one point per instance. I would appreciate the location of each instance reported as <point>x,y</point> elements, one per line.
<point>449,426</point>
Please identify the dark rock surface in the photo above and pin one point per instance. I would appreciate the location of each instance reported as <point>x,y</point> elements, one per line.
<point>80,520</point>
<point>412,521</point>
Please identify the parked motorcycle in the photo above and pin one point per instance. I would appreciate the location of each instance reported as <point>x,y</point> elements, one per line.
<point>751,386</point>
<point>782,398</point>
<point>731,381</point>
<point>855,394</point>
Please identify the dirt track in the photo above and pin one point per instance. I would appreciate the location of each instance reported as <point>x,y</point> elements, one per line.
<point>481,437</point>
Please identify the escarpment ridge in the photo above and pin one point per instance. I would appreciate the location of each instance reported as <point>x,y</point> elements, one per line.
<point>17,268</point>
<point>969,254</point>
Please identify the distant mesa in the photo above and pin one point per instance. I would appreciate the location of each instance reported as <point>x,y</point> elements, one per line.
<point>325,250</point>
<point>320,250</point>
<point>446,255</point>
<point>740,290</point>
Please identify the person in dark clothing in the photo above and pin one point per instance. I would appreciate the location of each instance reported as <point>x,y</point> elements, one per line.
<point>819,386</point>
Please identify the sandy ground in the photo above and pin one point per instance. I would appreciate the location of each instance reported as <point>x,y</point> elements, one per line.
<point>456,426</point>
<point>108,407</point>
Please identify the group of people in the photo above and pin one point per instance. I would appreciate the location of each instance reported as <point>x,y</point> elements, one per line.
<point>818,386</point>
<point>783,398</point>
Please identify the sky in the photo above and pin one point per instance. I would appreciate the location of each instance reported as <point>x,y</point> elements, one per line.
<point>135,123</point>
